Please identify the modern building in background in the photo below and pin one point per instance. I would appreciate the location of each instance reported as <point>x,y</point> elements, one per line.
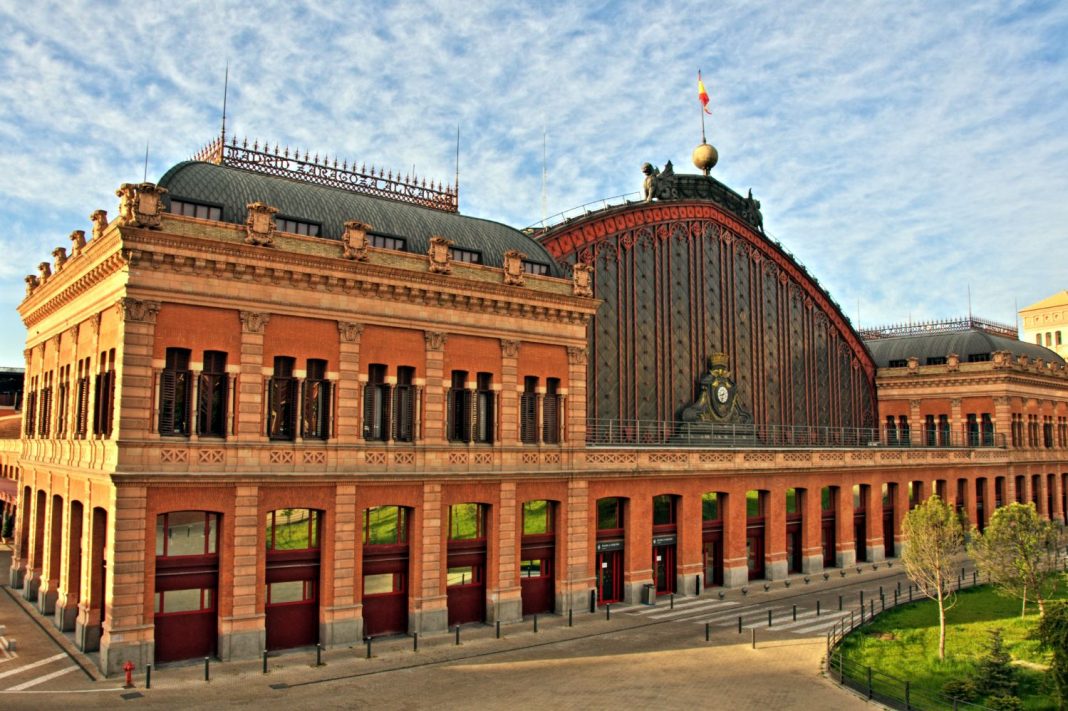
<point>1046,323</point>
<point>278,402</point>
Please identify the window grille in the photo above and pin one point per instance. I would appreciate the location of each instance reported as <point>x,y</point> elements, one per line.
<point>459,408</point>
<point>376,403</point>
<point>550,412</point>
<point>528,411</point>
<point>485,421</point>
<point>404,399</point>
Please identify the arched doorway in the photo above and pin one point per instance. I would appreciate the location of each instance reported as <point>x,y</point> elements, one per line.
<point>187,583</point>
<point>712,506</point>
<point>385,570</point>
<point>292,576</point>
<point>609,562</point>
<point>465,578</point>
<point>537,559</point>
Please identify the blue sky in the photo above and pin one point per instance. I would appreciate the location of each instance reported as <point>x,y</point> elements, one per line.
<point>903,151</point>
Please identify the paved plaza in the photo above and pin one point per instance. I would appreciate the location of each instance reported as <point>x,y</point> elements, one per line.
<point>636,656</point>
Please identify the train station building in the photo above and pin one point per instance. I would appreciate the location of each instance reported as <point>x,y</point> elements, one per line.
<point>276,401</point>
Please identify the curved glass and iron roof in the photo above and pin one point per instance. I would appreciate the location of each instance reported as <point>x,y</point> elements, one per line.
<point>971,344</point>
<point>232,189</point>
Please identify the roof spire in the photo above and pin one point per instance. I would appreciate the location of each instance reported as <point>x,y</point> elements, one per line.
<point>222,132</point>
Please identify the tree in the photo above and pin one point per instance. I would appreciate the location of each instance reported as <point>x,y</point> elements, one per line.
<point>1053,634</point>
<point>1018,551</point>
<point>935,544</point>
<point>994,675</point>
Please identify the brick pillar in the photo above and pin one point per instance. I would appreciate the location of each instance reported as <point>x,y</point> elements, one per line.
<point>637,547</point>
<point>576,396</point>
<point>775,563</point>
<point>901,507</point>
<point>735,563</point>
<point>250,425</point>
<point>845,540</point>
<point>21,553</point>
<point>242,633</point>
<point>876,551</point>
<point>431,603</point>
<point>128,631</point>
<point>508,595</point>
<point>1003,419</point>
<point>342,622</point>
<point>134,383</point>
<point>53,557</point>
<point>811,531</point>
<point>509,398</point>
<point>958,437</point>
<point>917,436</point>
<point>435,388</point>
<point>1055,485</point>
<point>72,568</point>
<point>574,547</point>
<point>689,545</point>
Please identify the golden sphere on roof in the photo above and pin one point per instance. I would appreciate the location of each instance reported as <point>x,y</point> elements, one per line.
<point>705,157</point>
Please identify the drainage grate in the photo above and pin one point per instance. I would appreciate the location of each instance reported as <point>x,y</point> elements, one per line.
<point>279,687</point>
<point>131,695</point>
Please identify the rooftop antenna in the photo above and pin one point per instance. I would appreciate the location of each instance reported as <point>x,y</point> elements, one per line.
<point>226,91</point>
<point>457,183</point>
<point>544,180</point>
<point>145,178</point>
<point>969,304</point>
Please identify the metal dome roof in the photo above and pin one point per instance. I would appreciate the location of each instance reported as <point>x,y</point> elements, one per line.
<point>964,343</point>
<point>233,189</point>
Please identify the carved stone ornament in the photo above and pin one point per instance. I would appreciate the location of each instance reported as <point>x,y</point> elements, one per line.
<point>660,185</point>
<point>254,322</point>
<point>31,283</point>
<point>439,255</point>
<point>140,205</point>
<point>77,240</point>
<point>718,399</point>
<point>44,271</point>
<point>100,223</point>
<point>914,364</point>
<point>59,257</point>
<point>1001,358</point>
<point>260,226</point>
<point>350,332</point>
<point>513,267</point>
<point>914,404</point>
<point>581,280</point>
<point>576,355</point>
<point>355,239</point>
<point>131,309</point>
<point>1022,361</point>
<point>953,362</point>
<point>509,349</point>
<point>435,340</point>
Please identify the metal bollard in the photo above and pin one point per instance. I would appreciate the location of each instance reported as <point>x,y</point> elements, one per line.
<point>739,624</point>
<point>895,598</point>
<point>839,603</point>
<point>535,624</point>
<point>872,609</point>
<point>899,586</point>
<point>708,631</point>
<point>880,591</point>
<point>671,602</point>
<point>870,694</point>
<point>910,593</point>
<point>769,618</point>
<point>754,637</point>
<point>570,620</point>
<point>498,629</point>
<point>593,601</point>
<point>975,577</point>
<point>457,634</point>
<point>608,612</point>
<point>318,655</point>
<point>697,587</point>
<point>862,614</point>
<point>368,640</point>
<point>795,613</point>
<point>148,676</point>
<point>817,608</point>
<point>207,668</point>
<point>415,642</point>
<point>862,598</point>
<point>265,661</point>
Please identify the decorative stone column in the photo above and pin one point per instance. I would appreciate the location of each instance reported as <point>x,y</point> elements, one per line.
<point>243,634</point>
<point>573,589</point>
<point>250,425</point>
<point>509,402</point>
<point>134,380</point>
<point>508,603</point>
<point>576,395</point>
<point>959,436</point>
<point>1003,419</point>
<point>431,612</point>
<point>434,434</point>
<point>342,622</point>
<point>348,385</point>
<point>128,628</point>
<point>53,557</point>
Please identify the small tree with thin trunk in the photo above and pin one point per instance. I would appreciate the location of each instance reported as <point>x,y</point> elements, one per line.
<point>1053,634</point>
<point>932,552</point>
<point>1018,550</point>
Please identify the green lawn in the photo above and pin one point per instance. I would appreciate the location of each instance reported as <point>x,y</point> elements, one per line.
<point>904,642</point>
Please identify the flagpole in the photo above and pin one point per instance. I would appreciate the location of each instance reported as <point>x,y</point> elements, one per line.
<point>701,108</point>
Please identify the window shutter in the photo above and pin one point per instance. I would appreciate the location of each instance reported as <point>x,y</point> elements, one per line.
<point>528,418</point>
<point>466,415</point>
<point>402,430</point>
<point>384,425</point>
<point>293,405</point>
<point>369,411</point>
<point>204,404</point>
<point>550,420</point>
<point>323,416</point>
<point>167,388</point>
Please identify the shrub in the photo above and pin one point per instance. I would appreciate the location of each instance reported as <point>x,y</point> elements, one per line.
<point>960,690</point>
<point>994,675</point>
<point>1004,703</point>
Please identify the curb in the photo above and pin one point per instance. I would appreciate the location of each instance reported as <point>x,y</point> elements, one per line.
<point>77,656</point>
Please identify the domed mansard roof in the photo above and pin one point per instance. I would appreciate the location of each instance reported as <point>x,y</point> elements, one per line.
<point>973,340</point>
<point>232,189</point>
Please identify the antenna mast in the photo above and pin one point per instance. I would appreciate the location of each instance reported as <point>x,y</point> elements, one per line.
<point>544,180</point>
<point>222,132</point>
<point>145,178</point>
<point>456,185</point>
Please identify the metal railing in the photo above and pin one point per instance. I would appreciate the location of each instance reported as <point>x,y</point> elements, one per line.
<point>582,211</point>
<point>662,433</point>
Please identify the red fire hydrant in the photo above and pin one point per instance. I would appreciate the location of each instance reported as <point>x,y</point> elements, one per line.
<point>128,667</point>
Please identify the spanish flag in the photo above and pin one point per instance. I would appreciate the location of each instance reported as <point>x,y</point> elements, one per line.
<point>702,93</point>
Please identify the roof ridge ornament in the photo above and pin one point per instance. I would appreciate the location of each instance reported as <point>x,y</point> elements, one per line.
<point>323,171</point>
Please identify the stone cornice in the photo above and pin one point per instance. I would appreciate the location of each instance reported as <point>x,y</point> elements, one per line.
<point>224,260</point>
<point>45,302</point>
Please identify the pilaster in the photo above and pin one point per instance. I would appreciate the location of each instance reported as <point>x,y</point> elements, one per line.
<point>434,419</point>
<point>134,382</point>
<point>509,598</point>
<point>509,397</point>
<point>573,588</point>
<point>243,633</point>
<point>128,629</point>
<point>250,427</point>
<point>342,623</point>
<point>431,605</point>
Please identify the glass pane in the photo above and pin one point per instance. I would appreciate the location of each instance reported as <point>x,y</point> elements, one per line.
<point>383,525</point>
<point>663,510</point>
<point>536,517</point>
<point>160,535</point>
<point>791,501</point>
<point>289,591</point>
<point>464,522</point>
<point>213,532</point>
<point>531,569</point>
<point>856,496</point>
<point>710,506</point>
<point>460,575</point>
<point>378,584</point>
<point>608,513</point>
<point>159,602</point>
<point>185,533</point>
<point>292,529</point>
<point>181,600</point>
